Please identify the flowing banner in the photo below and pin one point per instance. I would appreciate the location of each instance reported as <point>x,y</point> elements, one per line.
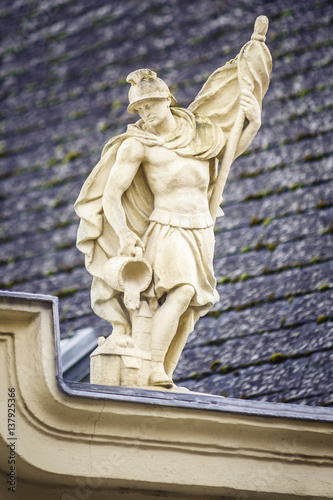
<point>250,70</point>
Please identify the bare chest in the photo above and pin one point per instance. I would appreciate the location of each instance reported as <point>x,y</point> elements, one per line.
<point>165,170</point>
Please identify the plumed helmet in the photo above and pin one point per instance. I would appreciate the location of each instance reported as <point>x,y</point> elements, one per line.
<point>146,85</point>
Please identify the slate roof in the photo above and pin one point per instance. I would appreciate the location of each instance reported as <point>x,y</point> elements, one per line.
<point>63,96</point>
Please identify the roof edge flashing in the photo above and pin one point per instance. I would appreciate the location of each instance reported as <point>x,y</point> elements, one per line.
<point>145,428</point>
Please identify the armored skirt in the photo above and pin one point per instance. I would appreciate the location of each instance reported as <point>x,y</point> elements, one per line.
<point>180,249</point>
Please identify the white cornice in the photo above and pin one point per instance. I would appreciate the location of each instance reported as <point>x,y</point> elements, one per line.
<point>189,444</point>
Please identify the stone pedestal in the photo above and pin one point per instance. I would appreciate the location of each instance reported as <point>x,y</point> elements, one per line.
<point>125,361</point>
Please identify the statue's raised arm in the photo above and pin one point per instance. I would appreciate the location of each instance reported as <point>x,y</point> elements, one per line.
<point>148,209</point>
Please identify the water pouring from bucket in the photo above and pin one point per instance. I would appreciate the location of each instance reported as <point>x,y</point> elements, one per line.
<point>130,275</point>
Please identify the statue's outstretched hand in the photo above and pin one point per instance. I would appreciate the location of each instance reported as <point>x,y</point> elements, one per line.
<point>130,243</point>
<point>251,108</point>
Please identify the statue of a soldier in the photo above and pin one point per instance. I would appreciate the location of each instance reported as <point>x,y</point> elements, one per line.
<point>150,200</point>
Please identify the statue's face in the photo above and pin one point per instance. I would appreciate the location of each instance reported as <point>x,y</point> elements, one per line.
<point>153,111</point>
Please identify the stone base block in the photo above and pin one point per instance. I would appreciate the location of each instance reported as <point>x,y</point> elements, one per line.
<point>105,369</point>
<point>119,370</point>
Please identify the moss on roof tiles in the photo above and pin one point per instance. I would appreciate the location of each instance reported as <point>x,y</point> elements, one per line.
<point>72,64</point>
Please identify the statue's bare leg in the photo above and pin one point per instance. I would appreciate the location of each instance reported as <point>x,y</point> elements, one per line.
<point>121,324</point>
<point>165,325</point>
<point>185,327</point>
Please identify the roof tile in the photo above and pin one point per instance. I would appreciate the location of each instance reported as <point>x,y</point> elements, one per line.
<point>63,97</point>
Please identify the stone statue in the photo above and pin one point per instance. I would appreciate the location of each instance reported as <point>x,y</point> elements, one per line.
<point>148,210</point>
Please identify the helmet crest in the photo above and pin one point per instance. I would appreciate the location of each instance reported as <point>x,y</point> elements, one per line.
<point>146,85</point>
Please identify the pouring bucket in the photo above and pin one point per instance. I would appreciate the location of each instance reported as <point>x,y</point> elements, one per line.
<point>131,275</point>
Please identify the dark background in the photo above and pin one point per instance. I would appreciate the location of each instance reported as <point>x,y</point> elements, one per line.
<point>63,95</point>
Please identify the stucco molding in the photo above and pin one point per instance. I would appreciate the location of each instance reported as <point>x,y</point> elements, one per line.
<point>147,440</point>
